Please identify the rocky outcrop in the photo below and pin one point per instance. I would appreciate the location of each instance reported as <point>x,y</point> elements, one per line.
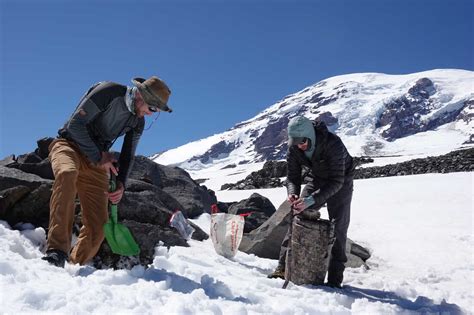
<point>153,193</point>
<point>265,241</point>
<point>275,132</point>
<point>268,177</point>
<point>456,161</point>
<point>403,116</point>
<point>216,151</point>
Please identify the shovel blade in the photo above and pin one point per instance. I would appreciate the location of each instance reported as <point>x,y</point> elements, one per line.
<point>120,239</point>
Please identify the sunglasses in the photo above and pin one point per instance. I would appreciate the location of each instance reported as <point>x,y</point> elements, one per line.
<point>302,141</point>
<point>153,108</point>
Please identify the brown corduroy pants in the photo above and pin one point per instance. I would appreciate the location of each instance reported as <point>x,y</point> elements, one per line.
<point>75,175</point>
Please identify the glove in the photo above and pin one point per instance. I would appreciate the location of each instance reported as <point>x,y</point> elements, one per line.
<point>292,198</point>
<point>302,204</point>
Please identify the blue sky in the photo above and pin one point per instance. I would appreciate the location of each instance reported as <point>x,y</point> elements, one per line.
<point>225,61</point>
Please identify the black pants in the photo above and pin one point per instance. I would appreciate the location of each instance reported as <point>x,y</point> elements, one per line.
<point>339,209</point>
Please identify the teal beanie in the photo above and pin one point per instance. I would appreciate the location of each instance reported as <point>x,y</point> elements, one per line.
<point>302,127</point>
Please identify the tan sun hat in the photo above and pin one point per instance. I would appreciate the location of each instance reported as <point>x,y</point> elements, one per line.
<point>154,91</point>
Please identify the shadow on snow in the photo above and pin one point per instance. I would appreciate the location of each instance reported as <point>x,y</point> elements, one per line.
<point>214,289</point>
<point>421,304</point>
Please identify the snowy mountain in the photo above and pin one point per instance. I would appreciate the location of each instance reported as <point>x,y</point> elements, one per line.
<point>375,114</point>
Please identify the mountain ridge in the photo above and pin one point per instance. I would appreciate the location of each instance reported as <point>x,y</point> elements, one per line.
<point>374,114</point>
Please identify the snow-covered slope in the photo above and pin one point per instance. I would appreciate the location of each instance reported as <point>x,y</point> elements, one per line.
<point>375,114</point>
<point>420,237</point>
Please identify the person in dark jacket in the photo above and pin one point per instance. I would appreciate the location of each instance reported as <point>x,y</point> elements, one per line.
<point>81,161</point>
<point>332,171</point>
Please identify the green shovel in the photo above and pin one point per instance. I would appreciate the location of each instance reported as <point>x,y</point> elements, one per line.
<point>118,235</point>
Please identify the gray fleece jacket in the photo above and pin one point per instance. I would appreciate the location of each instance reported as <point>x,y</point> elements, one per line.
<point>100,118</point>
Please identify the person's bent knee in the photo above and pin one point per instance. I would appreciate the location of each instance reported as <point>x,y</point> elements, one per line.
<point>66,174</point>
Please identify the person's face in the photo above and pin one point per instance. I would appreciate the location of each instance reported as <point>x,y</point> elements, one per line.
<point>142,108</point>
<point>304,145</point>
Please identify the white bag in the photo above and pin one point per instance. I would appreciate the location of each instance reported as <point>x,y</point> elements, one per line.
<point>226,233</point>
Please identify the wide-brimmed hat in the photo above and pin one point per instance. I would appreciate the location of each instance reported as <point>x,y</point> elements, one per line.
<point>154,91</point>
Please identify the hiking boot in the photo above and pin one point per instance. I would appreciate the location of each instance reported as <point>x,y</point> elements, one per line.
<point>278,273</point>
<point>333,285</point>
<point>55,257</point>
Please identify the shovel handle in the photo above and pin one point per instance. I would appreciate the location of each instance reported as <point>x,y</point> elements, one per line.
<point>113,213</point>
<point>112,182</point>
<point>289,251</point>
<point>112,188</point>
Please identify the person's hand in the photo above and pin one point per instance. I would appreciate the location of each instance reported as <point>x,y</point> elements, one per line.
<point>107,163</point>
<point>292,198</point>
<point>116,196</point>
<point>302,203</point>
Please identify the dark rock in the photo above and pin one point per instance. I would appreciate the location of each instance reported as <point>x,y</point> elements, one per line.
<point>258,207</point>
<point>9,160</point>
<point>359,160</point>
<point>267,177</point>
<point>195,199</point>
<point>229,166</point>
<point>147,171</point>
<point>403,116</point>
<point>10,177</point>
<point>327,118</point>
<point>29,158</point>
<point>456,161</point>
<point>148,236</point>
<point>358,250</point>
<point>265,241</point>
<point>224,206</point>
<point>274,133</point>
<point>320,100</point>
<point>200,180</point>
<point>33,208</point>
<point>216,151</point>
<point>254,220</point>
<point>10,196</point>
<point>423,88</point>
<point>43,147</point>
<point>42,169</point>
<point>255,203</point>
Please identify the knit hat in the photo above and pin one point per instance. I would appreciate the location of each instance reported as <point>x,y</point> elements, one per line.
<point>154,91</point>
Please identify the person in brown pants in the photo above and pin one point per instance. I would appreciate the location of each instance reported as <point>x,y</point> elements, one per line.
<point>81,162</point>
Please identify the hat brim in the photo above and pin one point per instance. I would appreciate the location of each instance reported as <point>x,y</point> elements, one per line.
<point>148,97</point>
<point>295,141</point>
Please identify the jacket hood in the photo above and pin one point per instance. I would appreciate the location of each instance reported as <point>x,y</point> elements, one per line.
<point>299,127</point>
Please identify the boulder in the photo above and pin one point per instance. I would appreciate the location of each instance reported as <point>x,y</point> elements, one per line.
<point>43,147</point>
<point>10,196</point>
<point>258,207</point>
<point>33,208</point>
<point>148,236</point>
<point>10,177</point>
<point>193,199</point>
<point>265,241</point>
